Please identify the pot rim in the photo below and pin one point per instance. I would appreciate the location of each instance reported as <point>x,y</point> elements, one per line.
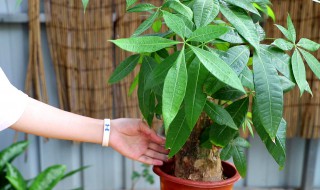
<point>229,181</point>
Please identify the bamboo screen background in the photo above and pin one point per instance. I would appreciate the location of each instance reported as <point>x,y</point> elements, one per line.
<point>35,83</point>
<point>84,59</point>
<point>301,114</point>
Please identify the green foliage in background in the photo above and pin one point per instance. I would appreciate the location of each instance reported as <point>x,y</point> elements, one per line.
<point>144,174</point>
<point>12,179</point>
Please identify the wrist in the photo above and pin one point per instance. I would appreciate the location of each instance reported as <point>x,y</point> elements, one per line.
<point>106,132</point>
<point>112,132</point>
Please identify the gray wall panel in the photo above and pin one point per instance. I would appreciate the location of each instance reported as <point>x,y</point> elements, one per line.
<point>263,171</point>
<point>106,168</point>
<point>295,159</point>
<point>317,166</point>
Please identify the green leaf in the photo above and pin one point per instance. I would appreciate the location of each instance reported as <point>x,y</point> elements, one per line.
<point>283,44</point>
<point>208,33</point>
<point>204,138</point>
<point>237,58</point>
<point>269,93</point>
<point>248,125</point>
<point>176,24</point>
<point>222,46</point>
<point>130,3</point>
<point>15,178</point>
<point>281,143</point>
<point>188,3</point>
<point>167,34</point>
<point>85,4</point>
<point>219,115</point>
<point>239,160</point>
<point>232,36</point>
<point>135,175</point>
<point>270,13</point>
<point>158,75</point>
<point>48,178</point>
<point>226,153</point>
<point>205,11</point>
<point>277,147</point>
<point>236,150</point>
<point>133,85</point>
<point>246,78</point>
<point>10,153</point>
<point>189,25</point>
<point>291,30</point>
<point>285,32</point>
<point>266,9</point>
<point>180,8</point>
<point>308,44</point>
<point>146,97</point>
<point>124,68</point>
<point>141,8</point>
<point>243,23</point>
<point>158,109</point>
<point>247,5</point>
<point>279,59</point>
<point>144,44</point>
<point>157,25</point>
<point>18,2</point>
<point>287,85</point>
<point>178,133</point>
<point>261,32</point>
<point>218,68</point>
<point>212,85</point>
<point>146,24</point>
<point>313,62</point>
<point>71,173</point>
<point>163,53</point>
<point>221,135</point>
<point>241,142</point>
<point>238,110</point>
<point>174,89</point>
<point>299,71</point>
<point>227,93</point>
<point>195,99</point>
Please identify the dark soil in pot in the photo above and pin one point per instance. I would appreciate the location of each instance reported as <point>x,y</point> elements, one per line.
<point>170,182</point>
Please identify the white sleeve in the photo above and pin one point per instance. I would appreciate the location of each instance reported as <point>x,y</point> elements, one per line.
<point>13,102</point>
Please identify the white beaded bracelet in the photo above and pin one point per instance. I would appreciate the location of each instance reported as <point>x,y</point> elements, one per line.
<point>106,132</point>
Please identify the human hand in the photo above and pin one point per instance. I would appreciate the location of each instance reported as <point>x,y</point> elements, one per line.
<point>135,140</point>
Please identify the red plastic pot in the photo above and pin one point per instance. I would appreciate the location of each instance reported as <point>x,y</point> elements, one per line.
<point>170,182</point>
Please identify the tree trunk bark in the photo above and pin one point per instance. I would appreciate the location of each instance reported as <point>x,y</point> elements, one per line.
<point>196,163</point>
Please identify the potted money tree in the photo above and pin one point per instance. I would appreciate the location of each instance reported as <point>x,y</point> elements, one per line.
<point>208,71</point>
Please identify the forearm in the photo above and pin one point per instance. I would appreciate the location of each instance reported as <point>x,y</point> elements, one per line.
<point>44,120</point>
<point>130,137</point>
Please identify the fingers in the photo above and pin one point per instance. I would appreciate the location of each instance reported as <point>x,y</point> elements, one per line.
<point>150,161</point>
<point>158,148</point>
<point>152,134</point>
<point>156,155</point>
<point>156,138</point>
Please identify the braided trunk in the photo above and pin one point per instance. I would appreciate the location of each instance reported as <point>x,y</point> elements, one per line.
<point>196,163</point>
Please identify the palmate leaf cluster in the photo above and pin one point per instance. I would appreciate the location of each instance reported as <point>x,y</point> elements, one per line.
<point>202,64</point>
